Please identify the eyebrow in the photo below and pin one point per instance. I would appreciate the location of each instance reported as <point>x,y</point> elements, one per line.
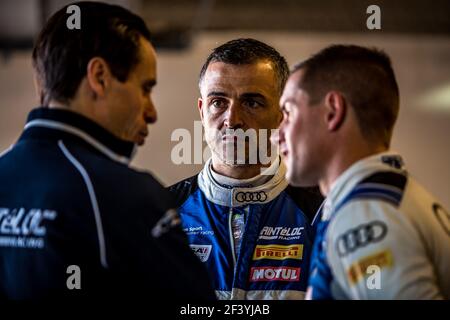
<point>253,95</point>
<point>282,104</point>
<point>217,94</point>
<point>244,95</point>
<point>149,82</point>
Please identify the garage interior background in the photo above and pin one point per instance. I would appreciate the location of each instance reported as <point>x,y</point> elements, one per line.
<point>416,34</point>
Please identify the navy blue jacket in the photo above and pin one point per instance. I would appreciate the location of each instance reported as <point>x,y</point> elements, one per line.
<point>68,197</point>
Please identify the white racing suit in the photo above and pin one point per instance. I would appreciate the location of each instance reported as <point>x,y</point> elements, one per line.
<point>381,236</point>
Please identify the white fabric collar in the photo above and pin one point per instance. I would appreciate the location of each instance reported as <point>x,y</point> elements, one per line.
<point>353,175</point>
<point>239,196</point>
<point>252,182</point>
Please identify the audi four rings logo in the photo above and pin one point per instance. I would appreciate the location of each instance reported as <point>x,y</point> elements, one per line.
<point>360,236</point>
<point>259,196</point>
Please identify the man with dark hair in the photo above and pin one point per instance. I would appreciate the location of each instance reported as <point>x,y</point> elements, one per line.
<point>75,220</point>
<point>380,235</point>
<point>251,229</point>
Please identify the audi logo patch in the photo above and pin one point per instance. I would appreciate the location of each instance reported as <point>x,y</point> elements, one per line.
<point>259,196</point>
<point>360,237</point>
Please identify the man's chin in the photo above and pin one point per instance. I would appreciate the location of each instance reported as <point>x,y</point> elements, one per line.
<point>235,162</point>
<point>290,178</point>
<point>294,178</point>
<point>140,141</point>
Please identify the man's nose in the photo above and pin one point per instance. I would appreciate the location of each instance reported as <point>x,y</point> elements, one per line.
<point>277,136</point>
<point>233,117</point>
<point>150,114</point>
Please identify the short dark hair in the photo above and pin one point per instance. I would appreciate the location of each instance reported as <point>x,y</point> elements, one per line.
<point>366,79</point>
<point>248,51</point>
<point>60,55</point>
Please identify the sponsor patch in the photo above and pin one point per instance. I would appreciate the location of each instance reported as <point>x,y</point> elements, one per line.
<point>274,274</point>
<point>360,237</point>
<point>278,252</point>
<point>24,228</point>
<point>358,270</point>
<point>197,230</point>
<point>280,233</point>
<point>202,251</point>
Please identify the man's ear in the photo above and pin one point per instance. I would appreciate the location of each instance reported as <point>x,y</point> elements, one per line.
<point>336,110</point>
<point>200,106</point>
<point>98,76</point>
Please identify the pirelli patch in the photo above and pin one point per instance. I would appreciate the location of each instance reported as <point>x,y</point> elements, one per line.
<point>278,252</point>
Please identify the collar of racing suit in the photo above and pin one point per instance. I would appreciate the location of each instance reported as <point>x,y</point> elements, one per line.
<point>69,122</point>
<point>346,182</point>
<point>236,196</point>
<point>252,182</point>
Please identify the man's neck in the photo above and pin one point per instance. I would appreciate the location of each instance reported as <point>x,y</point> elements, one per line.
<point>57,105</point>
<point>81,103</point>
<point>237,171</point>
<point>344,160</point>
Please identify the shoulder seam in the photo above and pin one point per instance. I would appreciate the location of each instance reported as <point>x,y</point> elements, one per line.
<point>181,190</point>
<point>383,186</point>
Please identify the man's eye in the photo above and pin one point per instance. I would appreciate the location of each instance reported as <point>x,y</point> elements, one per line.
<point>285,113</point>
<point>147,89</point>
<point>252,104</point>
<point>217,103</point>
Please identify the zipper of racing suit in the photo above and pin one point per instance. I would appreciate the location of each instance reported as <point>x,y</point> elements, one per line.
<point>247,214</point>
<point>230,232</point>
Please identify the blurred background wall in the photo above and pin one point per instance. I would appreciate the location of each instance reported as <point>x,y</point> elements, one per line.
<point>416,34</point>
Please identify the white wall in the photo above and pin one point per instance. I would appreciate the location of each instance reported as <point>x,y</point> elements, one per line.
<point>421,64</point>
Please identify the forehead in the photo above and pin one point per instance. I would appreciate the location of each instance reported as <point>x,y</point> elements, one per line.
<point>147,59</point>
<point>256,77</point>
<point>293,89</point>
<point>295,80</point>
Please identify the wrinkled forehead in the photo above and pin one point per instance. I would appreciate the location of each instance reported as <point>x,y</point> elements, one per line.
<point>258,76</point>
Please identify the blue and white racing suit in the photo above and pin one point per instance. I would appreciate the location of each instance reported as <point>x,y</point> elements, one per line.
<point>381,236</point>
<point>271,260</point>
